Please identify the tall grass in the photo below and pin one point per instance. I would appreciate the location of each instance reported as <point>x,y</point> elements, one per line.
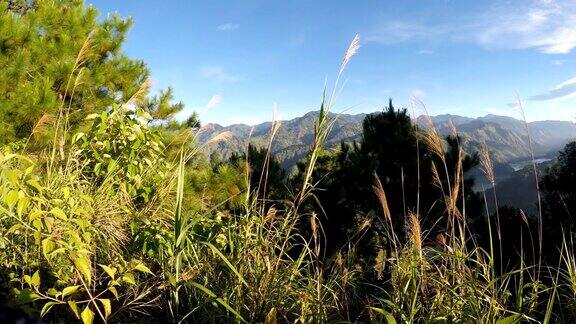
<point>167,258</point>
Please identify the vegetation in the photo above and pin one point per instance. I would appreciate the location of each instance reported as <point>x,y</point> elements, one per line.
<point>114,214</point>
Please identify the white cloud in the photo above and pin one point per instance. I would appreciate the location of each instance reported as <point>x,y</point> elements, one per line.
<point>417,93</point>
<point>548,26</point>
<point>218,74</point>
<point>228,27</point>
<point>213,102</point>
<point>566,89</point>
<point>425,52</point>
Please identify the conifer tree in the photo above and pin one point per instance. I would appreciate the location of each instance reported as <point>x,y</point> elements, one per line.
<point>58,56</point>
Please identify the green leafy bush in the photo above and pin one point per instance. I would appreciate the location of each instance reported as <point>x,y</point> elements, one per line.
<point>51,230</point>
<point>120,147</point>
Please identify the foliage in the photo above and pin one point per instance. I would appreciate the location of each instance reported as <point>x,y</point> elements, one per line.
<point>126,221</point>
<point>52,234</point>
<point>120,146</point>
<point>267,177</point>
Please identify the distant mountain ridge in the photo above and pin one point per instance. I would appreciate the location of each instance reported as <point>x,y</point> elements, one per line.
<point>505,137</point>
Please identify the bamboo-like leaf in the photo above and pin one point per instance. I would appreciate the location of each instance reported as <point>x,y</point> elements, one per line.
<point>142,268</point>
<point>219,300</point>
<point>107,306</point>
<point>87,316</point>
<point>74,308</point>
<point>82,263</point>
<point>230,266</point>
<point>69,290</point>
<point>46,308</point>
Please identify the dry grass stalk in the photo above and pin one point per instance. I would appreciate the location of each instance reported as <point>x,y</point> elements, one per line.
<point>486,164</point>
<point>433,140</point>
<point>436,176</point>
<point>523,217</point>
<point>44,122</point>
<point>381,195</point>
<point>453,208</point>
<point>352,50</point>
<point>415,233</point>
<point>138,98</point>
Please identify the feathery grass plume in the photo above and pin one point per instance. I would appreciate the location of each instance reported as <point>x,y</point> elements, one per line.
<point>434,141</point>
<point>138,98</point>
<point>520,106</point>
<point>486,164</point>
<point>415,233</point>
<point>436,177</point>
<point>452,127</point>
<point>44,122</point>
<point>487,168</point>
<point>81,58</point>
<point>429,135</point>
<point>453,208</point>
<point>412,100</point>
<point>263,182</point>
<point>381,195</point>
<point>352,50</point>
<point>380,264</point>
<point>523,217</point>
<point>85,50</point>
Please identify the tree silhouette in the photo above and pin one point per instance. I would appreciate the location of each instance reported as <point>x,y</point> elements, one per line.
<point>267,177</point>
<point>389,152</point>
<point>558,187</point>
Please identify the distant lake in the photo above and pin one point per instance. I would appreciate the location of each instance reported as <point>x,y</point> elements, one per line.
<point>521,164</point>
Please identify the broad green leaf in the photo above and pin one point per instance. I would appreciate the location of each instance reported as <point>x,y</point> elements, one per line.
<point>513,319</point>
<point>219,300</point>
<point>35,280</point>
<point>107,307</point>
<point>129,278</point>
<point>82,263</point>
<point>35,184</point>
<point>271,317</point>
<point>142,268</point>
<point>74,308</point>
<point>46,308</point>
<point>87,316</point>
<point>59,213</point>
<point>387,316</point>
<point>11,199</point>
<point>69,290</point>
<point>47,247</point>
<point>66,192</point>
<point>111,272</point>
<point>22,204</point>
<point>114,291</point>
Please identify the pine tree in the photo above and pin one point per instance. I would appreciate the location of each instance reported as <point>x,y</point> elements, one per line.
<point>57,56</point>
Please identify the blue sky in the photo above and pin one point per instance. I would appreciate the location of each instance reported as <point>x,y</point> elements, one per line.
<point>233,61</point>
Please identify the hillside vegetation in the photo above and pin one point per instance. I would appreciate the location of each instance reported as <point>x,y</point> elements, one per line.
<point>110,212</point>
<point>505,137</point>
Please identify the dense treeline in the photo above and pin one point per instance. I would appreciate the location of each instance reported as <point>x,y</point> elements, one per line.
<point>110,212</point>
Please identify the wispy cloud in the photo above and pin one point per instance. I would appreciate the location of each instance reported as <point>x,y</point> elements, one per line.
<point>228,27</point>
<point>566,89</point>
<point>218,74</point>
<point>213,102</point>
<point>418,93</point>
<point>548,26</point>
<point>425,52</point>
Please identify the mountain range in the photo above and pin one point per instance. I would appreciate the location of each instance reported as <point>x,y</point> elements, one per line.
<point>506,138</point>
